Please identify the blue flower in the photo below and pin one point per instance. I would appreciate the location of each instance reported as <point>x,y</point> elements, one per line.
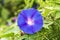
<point>30,21</point>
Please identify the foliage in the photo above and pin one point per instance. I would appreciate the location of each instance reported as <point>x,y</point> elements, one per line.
<point>50,10</point>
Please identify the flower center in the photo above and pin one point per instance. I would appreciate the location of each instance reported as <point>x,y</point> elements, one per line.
<point>30,21</point>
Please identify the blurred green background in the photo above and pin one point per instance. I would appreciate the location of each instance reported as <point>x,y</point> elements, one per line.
<point>9,10</point>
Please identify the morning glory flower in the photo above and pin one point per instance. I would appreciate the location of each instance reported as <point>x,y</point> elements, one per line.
<point>30,21</point>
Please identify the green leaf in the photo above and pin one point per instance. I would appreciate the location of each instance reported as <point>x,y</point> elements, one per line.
<point>57,15</point>
<point>5,13</point>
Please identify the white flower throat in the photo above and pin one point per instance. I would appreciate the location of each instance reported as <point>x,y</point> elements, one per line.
<point>30,21</point>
